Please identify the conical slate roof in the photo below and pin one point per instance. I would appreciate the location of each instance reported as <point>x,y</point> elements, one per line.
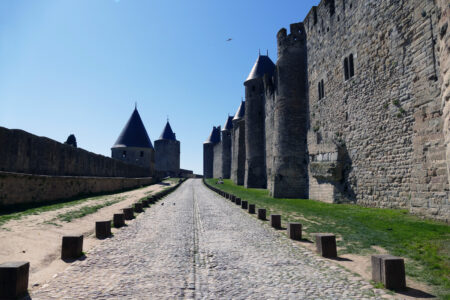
<point>228,124</point>
<point>214,137</point>
<point>134,134</point>
<point>262,66</point>
<point>167,133</point>
<point>240,113</point>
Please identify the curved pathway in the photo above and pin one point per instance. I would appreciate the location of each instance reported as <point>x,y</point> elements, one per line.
<point>198,245</point>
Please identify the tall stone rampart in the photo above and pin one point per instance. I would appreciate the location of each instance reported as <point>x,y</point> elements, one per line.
<point>23,152</point>
<point>238,151</point>
<point>379,104</point>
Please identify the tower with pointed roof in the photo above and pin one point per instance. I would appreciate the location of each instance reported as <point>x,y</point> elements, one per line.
<point>224,160</point>
<point>167,152</point>
<point>255,164</point>
<point>133,144</point>
<point>238,146</point>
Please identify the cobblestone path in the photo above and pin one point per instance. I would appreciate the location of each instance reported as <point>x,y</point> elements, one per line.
<point>200,246</point>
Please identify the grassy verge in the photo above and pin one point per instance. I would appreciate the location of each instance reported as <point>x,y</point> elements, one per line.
<point>425,244</point>
<point>84,211</point>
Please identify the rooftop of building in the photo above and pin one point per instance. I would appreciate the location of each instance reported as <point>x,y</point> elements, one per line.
<point>167,133</point>
<point>134,134</point>
<point>263,65</point>
<point>214,137</point>
<point>240,113</point>
<point>228,123</point>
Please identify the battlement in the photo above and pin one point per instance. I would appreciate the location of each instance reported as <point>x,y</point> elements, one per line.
<point>296,38</point>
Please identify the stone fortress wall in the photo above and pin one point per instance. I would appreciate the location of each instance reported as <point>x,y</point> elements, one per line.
<point>23,152</point>
<point>356,107</point>
<point>38,169</point>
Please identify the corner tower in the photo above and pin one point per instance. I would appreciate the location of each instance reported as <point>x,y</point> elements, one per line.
<point>133,145</point>
<point>255,165</point>
<point>167,152</point>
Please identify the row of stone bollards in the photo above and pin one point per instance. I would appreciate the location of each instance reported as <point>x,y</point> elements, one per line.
<point>387,269</point>
<point>14,275</point>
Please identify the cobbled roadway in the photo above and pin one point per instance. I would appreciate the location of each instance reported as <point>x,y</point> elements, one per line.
<point>199,245</point>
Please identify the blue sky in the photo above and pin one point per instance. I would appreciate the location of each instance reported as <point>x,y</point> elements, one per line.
<point>78,66</point>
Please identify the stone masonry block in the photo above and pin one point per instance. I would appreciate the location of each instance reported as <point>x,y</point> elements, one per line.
<point>251,208</point>
<point>102,229</point>
<point>244,204</point>
<point>138,207</point>
<point>128,212</point>
<point>326,244</point>
<point>72,247</point>
<point>275,221</point>
<point>238,201</point>
<point>294,231</point>
<point>14,279</point>
<point>261,213</point>
<point>119,220</point>
<point>389,270</point>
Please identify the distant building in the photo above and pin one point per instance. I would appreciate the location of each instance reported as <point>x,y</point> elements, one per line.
<point>167,152</point>
<point>133,145</point>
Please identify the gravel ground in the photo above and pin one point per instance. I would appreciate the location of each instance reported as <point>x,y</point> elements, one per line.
<point>201,246</point>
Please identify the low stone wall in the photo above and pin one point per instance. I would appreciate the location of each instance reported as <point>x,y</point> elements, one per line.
<point>16,188</point>
<point>23,152</point>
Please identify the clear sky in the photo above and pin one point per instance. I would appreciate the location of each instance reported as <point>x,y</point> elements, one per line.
<point>78,66</point>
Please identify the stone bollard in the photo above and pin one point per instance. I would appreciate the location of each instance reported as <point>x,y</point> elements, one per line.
<point>238,201</point>
<point>102,229</point>
<point>389,270</point>
<point>145,203</point>
<point>326,244</point>
<point>233,199</point>
<point>14,279</point>
<point>119,220</point>
<point>138,207</point>
<point>128,212</point>
<point>244,204</point>
<point>251,208</point>
<point>72,247</point>
<point>294,231</point>
<point>261,213</point>
<point>275,221</point>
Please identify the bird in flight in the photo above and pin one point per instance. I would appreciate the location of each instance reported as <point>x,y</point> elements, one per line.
<point>229,39</point>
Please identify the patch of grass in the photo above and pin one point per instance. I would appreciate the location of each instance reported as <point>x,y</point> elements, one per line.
<point>84,211</point>
<point>425,243</point>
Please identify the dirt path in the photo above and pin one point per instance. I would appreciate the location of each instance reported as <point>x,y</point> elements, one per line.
<point>37,238</point>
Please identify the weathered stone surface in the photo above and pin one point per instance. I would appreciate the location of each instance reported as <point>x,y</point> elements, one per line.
<point>167,156</point>
<point>294,231</point>
<point>251,208</point>
<point>262,213</point>
<point>326,244</point>
<point>389,270</point>
<point>72,247</point>
<point>128,213</point>
<point>102,229</point>
<point>119,220</point>
<point>275,221</point>
<point>14,279</point>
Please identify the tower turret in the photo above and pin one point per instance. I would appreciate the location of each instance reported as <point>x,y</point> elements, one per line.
<point>226,147</point>
<point>255,166</point>
<point>290,160</point>
<point>208,152</point>
<point>133,145</point>
<point>167,152</point>
<point>238,146</point>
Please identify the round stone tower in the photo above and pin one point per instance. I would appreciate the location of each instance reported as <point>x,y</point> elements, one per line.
<point>133,145</point>
<point>255,166</point>
<point>167,152</point>
<point>208,152</point>
<point>238,146</point>
<point>290,159</point>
